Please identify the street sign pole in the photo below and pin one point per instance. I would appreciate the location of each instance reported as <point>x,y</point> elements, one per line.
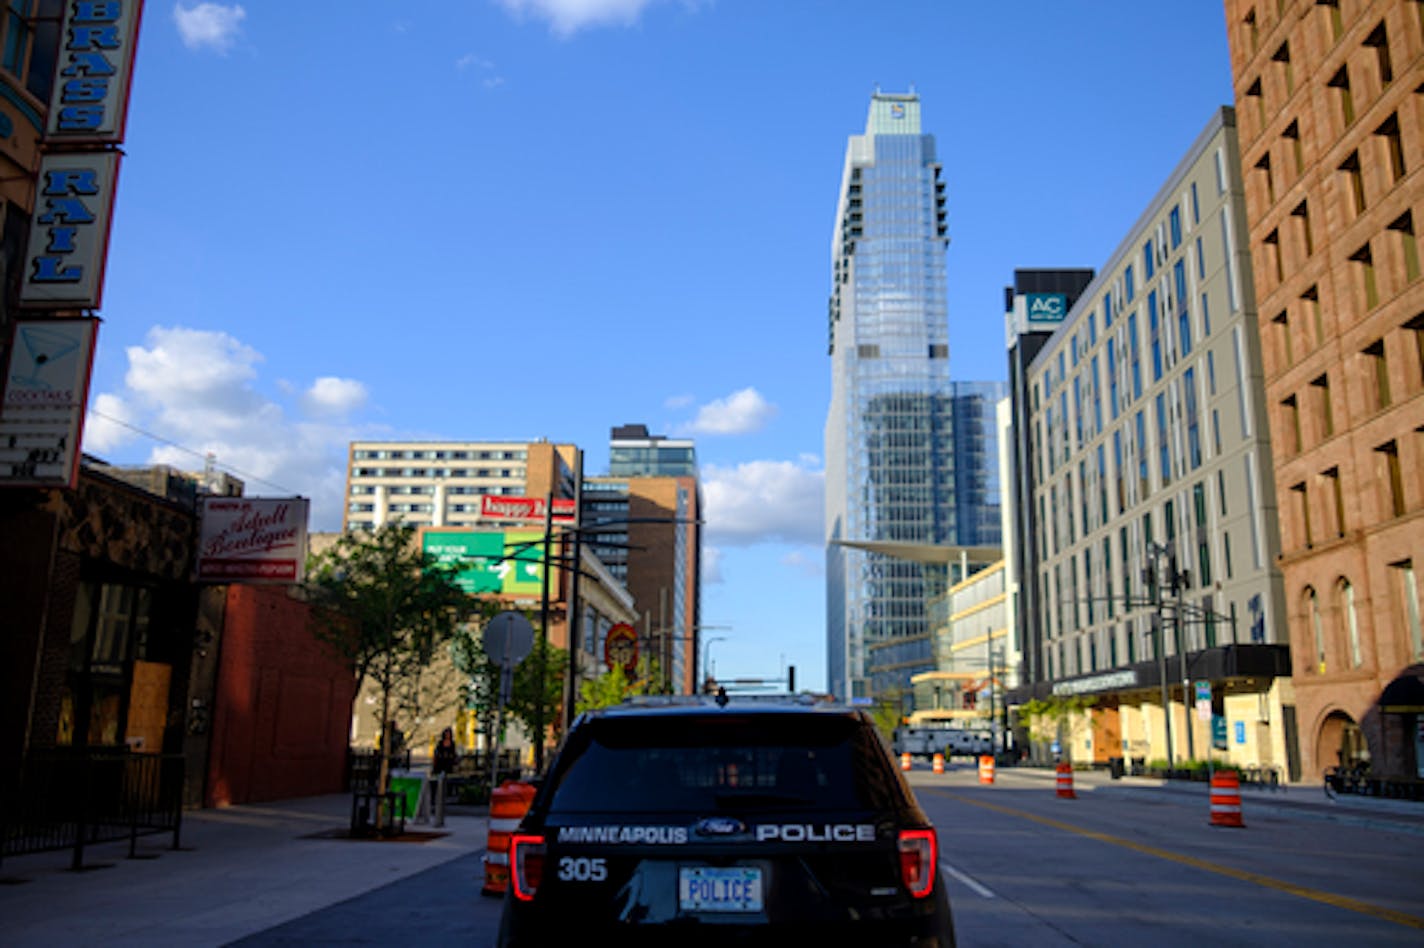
<point>508,639</point>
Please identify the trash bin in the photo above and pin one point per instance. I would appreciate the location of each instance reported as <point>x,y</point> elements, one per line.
<point>1115,766</point>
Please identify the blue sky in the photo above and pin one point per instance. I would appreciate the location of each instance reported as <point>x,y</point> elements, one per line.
<point>523,219</point>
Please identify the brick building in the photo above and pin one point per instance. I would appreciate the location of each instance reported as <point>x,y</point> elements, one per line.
<point>1331,127</point>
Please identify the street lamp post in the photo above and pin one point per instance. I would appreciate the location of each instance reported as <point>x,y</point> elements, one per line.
<point>707,655</point>
<point>1154,551</point>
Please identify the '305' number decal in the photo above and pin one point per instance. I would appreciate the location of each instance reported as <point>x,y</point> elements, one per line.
<point>582,869</point>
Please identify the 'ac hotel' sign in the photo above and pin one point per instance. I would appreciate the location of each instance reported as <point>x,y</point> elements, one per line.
<point>69,232</point>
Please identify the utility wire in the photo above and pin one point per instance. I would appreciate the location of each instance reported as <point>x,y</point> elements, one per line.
<point>198,454</point>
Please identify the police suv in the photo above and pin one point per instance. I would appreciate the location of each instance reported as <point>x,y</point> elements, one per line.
<point>677,821</point>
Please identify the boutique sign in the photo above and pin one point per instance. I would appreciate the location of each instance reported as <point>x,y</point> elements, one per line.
<point>91,89</point>
<point>252,540</point>
<point>69,233</point>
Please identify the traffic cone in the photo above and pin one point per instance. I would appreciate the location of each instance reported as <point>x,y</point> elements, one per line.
<point>939,763</point>
<point>986,769</point>
<point>1226,799</point>
<point>1065,781</point>
<point>508,804</point>
<point>905,761</point>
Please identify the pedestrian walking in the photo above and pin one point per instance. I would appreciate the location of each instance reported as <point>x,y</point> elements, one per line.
<point>446,754</point>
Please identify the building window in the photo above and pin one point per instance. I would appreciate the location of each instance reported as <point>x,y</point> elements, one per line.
<point>1355,181</point>
<point>1340,82</point>
<point>1282,56</point>
<point>1337,25</point>
<point>1283,338</point>
<point>1297,151</point>
<point>1379,373</point>
<point>1302,213</point>
<point>1174,227</point>
<point>1337,495</point>
<point>1415,328</point>
<point>1325,408</point>
<point>1394,146</point>
<point>1302,510</point>
<point>1409,601</point>
<point>1352,623</point>
<point>1403,226</point>
<point>1253,92</point>
<point>1365,266</point>
<point>1264,166</point>
<point>1292,413</point>
<point>1378,40</point>
<point>1317,628</point>
<point>1312,299</point>
<point>1273,251</point>
<point>1393,476</point>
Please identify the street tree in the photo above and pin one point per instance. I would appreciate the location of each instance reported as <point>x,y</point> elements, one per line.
<point>391,609</point>
<point>532,700</point>
<point>615,685</point>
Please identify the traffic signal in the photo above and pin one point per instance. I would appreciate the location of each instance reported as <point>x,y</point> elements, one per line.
<point>791,678</point>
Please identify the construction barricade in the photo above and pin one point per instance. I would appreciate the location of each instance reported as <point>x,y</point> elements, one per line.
<point>939,763</point>
<point>508,804</point>
<point>986,769</point>
<point>1065,781</point>
<point>1226,799</point>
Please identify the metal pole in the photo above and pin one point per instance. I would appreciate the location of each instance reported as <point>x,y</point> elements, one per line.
<point>993,714</point>
<point>572,686</point>
<point>1153,551</point>
<point>1180,637</point>
<point>542,664</point>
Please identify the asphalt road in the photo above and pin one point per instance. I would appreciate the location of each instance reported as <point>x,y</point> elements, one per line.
<point>1118,865</point>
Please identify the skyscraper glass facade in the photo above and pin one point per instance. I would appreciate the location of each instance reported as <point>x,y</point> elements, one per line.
<point>890,447</point>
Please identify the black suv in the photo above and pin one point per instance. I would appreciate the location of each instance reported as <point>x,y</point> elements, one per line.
<point>680,821</point>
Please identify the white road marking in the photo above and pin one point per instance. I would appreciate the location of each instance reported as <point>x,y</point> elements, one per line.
<point>979,889</point>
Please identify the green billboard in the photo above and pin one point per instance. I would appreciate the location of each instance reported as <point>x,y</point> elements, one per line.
<point>490,561</point>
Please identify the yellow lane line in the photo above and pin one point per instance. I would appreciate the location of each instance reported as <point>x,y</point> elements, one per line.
<point>1315,895</point>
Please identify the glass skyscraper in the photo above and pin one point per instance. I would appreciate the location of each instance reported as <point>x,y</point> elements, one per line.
<point>894,498</point>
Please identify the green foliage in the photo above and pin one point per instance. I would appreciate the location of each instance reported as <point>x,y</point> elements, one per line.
<point>530,701</point>
<point>1049,718</point>
<point>614,686</point>
<point>388,610</point>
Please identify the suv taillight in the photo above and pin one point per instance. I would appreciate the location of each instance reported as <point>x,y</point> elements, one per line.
<point>918,851</point>
<point>526,861</point>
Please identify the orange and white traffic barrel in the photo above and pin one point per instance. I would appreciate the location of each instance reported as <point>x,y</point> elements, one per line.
<point>508,804</point>
<point>1065,781</point>
<point>939,763</point>
<point>1226,799</point>
<point>986,769</point>
<point>905,761</point>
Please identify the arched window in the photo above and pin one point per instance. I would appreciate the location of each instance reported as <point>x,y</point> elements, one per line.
<point>1351,621</point>
<point>1317,629</point>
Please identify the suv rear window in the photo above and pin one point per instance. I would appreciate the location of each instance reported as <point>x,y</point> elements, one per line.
<point>724,762</point>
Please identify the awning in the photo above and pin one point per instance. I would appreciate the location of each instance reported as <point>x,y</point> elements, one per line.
<point>1404,695</point>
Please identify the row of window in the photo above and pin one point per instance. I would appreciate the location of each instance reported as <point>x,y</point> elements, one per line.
<point>1335,624</point>
<point>437,472</point>
<point>1371,66</point>
<point>385,454</point>
<point>1309,417</point>
<point>399,490</point>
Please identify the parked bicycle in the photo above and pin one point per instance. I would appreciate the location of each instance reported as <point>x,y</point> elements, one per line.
<point>1352,778</point>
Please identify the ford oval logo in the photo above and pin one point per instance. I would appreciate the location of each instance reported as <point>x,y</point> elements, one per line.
<point>720,826</point>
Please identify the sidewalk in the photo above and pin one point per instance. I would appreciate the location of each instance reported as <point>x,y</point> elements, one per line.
<point>1302,798</point>
<point>239,870</point>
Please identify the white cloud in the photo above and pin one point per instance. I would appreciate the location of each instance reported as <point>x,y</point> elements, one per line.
<point>807,565</point>
<point>711,565</point>
<point>470,59</point>
<point>741,412</point>
<point>209,24</point>
<point>333,397</point>
<point>764,502</point>
<point>105,424</point>
<point>195,390</point>
<point>567,17</point>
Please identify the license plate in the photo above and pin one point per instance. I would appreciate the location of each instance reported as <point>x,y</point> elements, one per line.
<point>707,889</point>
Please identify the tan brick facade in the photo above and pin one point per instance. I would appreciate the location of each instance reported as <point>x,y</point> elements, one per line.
<point>1330,108</point>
